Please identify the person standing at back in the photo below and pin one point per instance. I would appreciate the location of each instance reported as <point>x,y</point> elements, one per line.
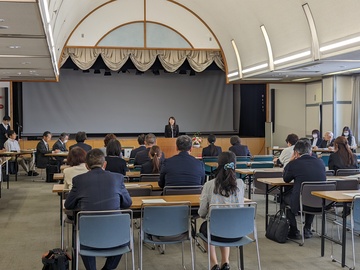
<point>171,129</point>
<point>80,138</point>
<point>343,158</point>
<point>98,190</point>
<point>347,133</point>
<point>212,150</point>
<point>182,169</point>
<point>237,148</point>
<point>4,128</point>
<point>301,167</point>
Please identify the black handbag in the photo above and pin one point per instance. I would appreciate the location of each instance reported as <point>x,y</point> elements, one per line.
<point>278,227</point>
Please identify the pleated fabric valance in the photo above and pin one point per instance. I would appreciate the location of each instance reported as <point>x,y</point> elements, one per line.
<point>114,59</point>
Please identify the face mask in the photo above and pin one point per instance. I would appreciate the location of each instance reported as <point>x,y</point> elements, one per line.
<point>65,141</point>
<point>314,136</point>
<point>346,133</point>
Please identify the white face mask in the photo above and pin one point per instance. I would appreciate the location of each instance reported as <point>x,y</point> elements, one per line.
<point>65,141</point>
<point>314,136</point>
<point>346,133</point>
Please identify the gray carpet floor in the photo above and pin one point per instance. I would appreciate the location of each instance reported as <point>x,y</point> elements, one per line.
<point>30,226</point>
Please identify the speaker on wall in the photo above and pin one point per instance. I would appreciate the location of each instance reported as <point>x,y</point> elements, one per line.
<point>252,110</point>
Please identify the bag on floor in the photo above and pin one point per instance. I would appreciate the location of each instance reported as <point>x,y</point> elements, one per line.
<point>50,170</point>
<point>55,259</point>
<point>278,227</point>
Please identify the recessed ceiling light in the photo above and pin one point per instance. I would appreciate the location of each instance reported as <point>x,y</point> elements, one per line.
<point>19,73</point>
<point>4,27</point>
<point>26,63</point>
<point>14,47</point>
<point>2,20</point>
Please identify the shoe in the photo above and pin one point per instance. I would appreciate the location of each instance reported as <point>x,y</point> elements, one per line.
<point>215,267</point>
<point>294,235</point>
<point>35,173</point>
<point>307,233</point>
<point>225,266</point>
<point>30,173</point>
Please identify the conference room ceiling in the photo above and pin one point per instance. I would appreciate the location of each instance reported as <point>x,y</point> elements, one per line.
<point>27,55</point>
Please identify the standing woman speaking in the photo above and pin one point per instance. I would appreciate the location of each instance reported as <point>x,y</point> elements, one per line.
<point>171,129</point>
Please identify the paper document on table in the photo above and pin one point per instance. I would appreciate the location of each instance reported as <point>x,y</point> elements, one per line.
<point>356,176</point>
<point>352,194</point>
<point>153,201</point>
<point>131,185</point>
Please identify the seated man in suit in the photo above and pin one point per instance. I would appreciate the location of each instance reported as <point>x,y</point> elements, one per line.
<point>182,169</point>
<point>98,190</point>
<point>141,142</point>
<point>61,145</point>
<point>328,141</point>
<point>237,148</point>
<point>143,156</point>
<point>12,145</point>
<point>80,138</point>
<point>301,167</point>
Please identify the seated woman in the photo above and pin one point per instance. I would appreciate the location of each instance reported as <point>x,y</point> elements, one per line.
<point>316,140</point>
<point>343,158</point>
<point>350,138</point>
<point>107,139</point>
<point>224,189</point>
<point>212,150</point>
<point>76,159</point>
<point>80,138</point>
<point>237,148</point>
<point>154,164</point>
<point>114,162</point>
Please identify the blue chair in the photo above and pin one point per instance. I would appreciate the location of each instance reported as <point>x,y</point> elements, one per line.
<point>208,169</point>
<point>243,159</point>
<point>105,233</point>
<point>325,158</point>
<point>166,223</point>
<point>262,164</point>
<point>240,222</point>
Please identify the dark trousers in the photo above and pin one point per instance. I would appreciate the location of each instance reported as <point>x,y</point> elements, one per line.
<point>291,215</point>
<point>111,262</point>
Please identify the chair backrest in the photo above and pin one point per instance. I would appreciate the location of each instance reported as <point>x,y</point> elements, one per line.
<point>167,219</point>
<point>263,158</point>
<point>131,160</point>
<point>149,177</point>
<point>242,159</point>
<point>355,213</point>
<point>347,184</point>
<point>240,220</point>
<point>262,164</point>
<point>209,159</point>
<point>242,164</point>
<point>325,158</point>
<point>345,172</point>
<point>104,229</point>
<point>330,173</point>
<point>140,190</point>
<point>307,199</point>
<point>137,168</point>
<point>182,190</point>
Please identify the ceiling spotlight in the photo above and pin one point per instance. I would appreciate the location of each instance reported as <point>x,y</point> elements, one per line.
<point>86,71</point>
<point>156,72</point>
<point>192,73</point>
<point>14,47</point>
<point>97,71</point>
<point>138,72</point>
<point>107,73</point>
<point>183,72</point>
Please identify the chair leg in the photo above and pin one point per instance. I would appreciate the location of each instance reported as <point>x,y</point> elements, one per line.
<point>241,250</point>
<point>302,229</point>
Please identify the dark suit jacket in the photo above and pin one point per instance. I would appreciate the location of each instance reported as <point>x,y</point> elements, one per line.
<point>137,150</point>
<point>324,144</point>
<point>303,169</point>
<point>240,150</point>
<point>182,170</point>
<point>59,145</point>
<point>116,165</point>
<point>168,131</point>
<point>3,134</point>
<point>143,157</point>
<point>335,162</point>
<point>206,152</point>
<point>147,167</point>
<point>98,190</point>
<point>318,142</point>
<point>41,159</point>
<point>84,146</point>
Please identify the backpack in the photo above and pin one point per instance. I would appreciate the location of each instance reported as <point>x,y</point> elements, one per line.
<point>55,259</point>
